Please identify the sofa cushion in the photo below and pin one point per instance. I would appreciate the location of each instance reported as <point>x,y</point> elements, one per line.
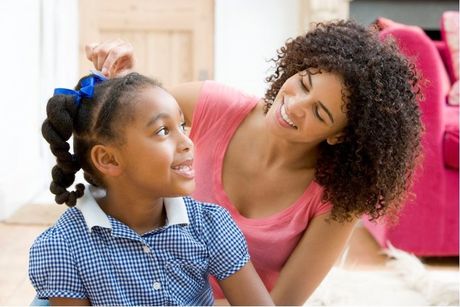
<point>449,34</point>
<point>382,23</point>
<point>450,147</point>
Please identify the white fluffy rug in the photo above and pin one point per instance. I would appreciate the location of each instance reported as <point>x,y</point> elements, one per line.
<point>406,282</point>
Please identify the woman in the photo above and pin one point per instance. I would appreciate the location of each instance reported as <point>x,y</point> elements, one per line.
<point>337,135</point>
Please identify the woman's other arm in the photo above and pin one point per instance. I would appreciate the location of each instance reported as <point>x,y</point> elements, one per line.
<point>311,260</point>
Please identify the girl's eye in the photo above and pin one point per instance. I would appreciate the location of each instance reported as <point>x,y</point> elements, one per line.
<point>315,108</point>
<point>162,131</point>
<point>182,127</point>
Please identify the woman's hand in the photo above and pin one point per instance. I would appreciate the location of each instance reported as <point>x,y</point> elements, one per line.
<point>113,58</point>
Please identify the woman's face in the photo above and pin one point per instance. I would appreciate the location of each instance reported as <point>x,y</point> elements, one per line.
<point>309,108</point>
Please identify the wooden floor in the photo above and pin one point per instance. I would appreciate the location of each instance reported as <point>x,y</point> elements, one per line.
<point>17,235</point>
<point>15,240</point>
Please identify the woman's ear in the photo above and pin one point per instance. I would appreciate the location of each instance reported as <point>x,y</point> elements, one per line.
<point>335,139</point>
<point>106,160</point>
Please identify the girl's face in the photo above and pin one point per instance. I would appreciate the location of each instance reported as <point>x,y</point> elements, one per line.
<point>157,154</point>
<point>309,108</point>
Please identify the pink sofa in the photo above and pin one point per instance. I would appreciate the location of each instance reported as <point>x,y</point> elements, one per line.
<point>428,224</point>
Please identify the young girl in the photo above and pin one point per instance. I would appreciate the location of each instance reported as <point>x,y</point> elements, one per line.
<point>337,135</point>
<point>139,242</point>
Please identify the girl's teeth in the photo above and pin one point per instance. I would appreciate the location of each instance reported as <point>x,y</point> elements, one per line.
<point>183,167</point>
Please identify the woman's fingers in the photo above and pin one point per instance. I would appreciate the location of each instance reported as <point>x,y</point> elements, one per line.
<point>90,54</point>
<point>112,57</point>
<point>89,50</point>
<point>119,60</point>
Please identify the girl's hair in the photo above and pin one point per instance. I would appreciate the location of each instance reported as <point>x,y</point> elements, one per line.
<point>94,120</point>
<point>372,168</point>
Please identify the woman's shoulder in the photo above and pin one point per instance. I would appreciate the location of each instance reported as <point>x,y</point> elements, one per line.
<point>212,87</point>
<point>316,196</point>
<point>219,108</point>
<point>223,98</point>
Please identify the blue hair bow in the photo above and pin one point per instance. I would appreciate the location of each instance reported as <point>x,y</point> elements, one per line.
<point>86,90</point>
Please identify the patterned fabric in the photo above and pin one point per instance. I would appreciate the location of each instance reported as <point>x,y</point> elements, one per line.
<point>88,254</point>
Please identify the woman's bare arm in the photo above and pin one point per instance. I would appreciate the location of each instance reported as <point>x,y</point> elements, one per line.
<point>245,288</point>
<point>311,260</point>
<point>186,95</point>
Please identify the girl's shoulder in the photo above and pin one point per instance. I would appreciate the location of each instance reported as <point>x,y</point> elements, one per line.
<point>199,210</point>
<point>225,242</point>
<point>208,217</point>
<point>69,224</point>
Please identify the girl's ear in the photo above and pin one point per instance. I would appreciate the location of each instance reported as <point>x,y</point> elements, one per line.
<point>335,139</point>
<point>106,160</point>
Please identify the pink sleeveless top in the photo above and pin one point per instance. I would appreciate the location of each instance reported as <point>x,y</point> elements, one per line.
<point>271,240</point>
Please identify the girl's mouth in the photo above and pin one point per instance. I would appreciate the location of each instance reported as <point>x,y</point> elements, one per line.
<point>184,169</point>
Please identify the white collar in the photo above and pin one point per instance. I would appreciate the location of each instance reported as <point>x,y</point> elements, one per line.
<point>176,212</point>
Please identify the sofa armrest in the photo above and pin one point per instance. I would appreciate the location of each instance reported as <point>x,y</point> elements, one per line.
<point>450,147</point>
<point>445,56</point>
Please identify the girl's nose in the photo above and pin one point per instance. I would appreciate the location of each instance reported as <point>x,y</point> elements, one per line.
<point>185,143</point>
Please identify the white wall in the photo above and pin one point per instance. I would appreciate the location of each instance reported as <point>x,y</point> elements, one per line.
<point>39,51</point>
<point>19,132</point>
<point>247,34</point>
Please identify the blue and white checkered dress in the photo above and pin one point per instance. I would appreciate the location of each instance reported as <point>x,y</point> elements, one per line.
<point>110,264</point>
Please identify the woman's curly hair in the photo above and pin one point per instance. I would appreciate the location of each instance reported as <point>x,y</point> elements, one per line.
<point>370,171</point>
<point>96,120</point>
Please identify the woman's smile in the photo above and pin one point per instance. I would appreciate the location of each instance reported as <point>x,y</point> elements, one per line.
<point>283,118</point>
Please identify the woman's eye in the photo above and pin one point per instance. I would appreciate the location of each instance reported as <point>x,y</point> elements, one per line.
<point>163,131</point>
<point>304,87</point>
<point>317,113</point>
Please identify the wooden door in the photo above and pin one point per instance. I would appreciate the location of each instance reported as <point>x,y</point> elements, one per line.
<point>173,39</point>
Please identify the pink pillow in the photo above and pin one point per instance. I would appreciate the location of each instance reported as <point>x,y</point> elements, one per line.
<point>454,94</point>
<point>449,33</point>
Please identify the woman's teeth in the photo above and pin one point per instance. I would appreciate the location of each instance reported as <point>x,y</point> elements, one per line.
<point>286,118</point>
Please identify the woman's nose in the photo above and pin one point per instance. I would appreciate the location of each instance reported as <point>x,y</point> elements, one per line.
<point>297,106</point>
